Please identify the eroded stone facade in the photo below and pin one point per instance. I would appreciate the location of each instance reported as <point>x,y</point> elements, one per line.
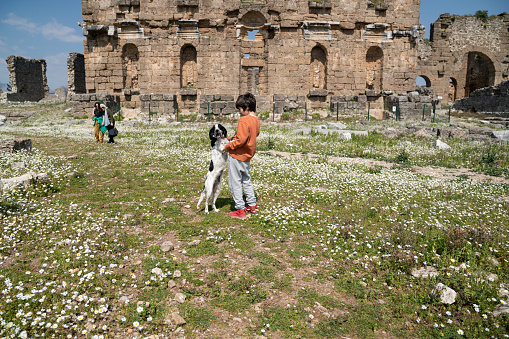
<point>28,79</point>
<point>464,54</point>
<point>197,51</point>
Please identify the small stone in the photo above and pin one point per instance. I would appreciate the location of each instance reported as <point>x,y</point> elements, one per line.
<point>176,319</point>
<point>366,151</point>
<point>180,298</point>
<point>441,145</point>
<point>123,300</point>
<point>177,274</point>
<point>501,310</point>
<point>194,242</point>
<point>157,271</point>
<point>167,246</point>
<point>130,330</point>
<point>424,272</point>
<point>72,157</point>
<point>362,283</point>
<point>138,262</point>
<point>494,261</point>
<point>238,320</point>
<point>187,206</point>
<point>447,295</point>
<point>171,284</point>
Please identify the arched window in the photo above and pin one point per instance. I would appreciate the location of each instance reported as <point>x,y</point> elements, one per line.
<point>374,68</point>
<point>130,67</point>
<point>423,81</point>
<point>318,69</point>
<point>188,67</point>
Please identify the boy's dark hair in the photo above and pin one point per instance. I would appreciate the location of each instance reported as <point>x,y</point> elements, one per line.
<point>247,100</point>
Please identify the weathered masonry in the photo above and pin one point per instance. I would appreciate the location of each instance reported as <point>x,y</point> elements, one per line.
<point>464,54</point>
<point>28,79</point>
<point>199,52</point>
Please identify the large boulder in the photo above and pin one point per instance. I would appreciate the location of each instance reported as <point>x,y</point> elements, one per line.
<point>446,294</point>
<point>14,145</point>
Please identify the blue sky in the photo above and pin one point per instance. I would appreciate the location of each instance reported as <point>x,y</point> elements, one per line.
<point>49,29</point>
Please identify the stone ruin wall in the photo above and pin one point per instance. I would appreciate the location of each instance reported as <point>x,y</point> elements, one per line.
<point>195,52</point>
<point>76,82</point>
<point>464,54</point>
<point>493,99</point>
<point>28,79</point>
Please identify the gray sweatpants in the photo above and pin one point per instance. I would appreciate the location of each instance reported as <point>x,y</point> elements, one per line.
<point>239,177</point>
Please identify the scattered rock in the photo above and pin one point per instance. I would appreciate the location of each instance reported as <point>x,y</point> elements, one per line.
<point>171,284</point>
<point>157,271</point>
<point>451,132</point>
<point>72,157</point>
<point>503,135</point>
<point>362,283</point>
<point>167,200</point>
<point>176,319</point>
<point>441,145</point>
<point>501,310</point>
<point>23,181</point>
<point>187,206</point>
<point>346,136</point>
<point>180,298</point>
<point>14,145</point>
<point>194,242</point>
<point>238,320</point>
<point>422,133</point>
<point>177,274</point>
<point>167,246</point>
<point>424,272</point>
<point>447,295</point>
<point>123,300</point>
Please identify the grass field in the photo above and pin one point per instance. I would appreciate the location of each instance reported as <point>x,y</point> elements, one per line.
<point>329,255</point>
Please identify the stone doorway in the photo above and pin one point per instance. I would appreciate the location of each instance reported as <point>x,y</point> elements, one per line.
<point>480,72</point>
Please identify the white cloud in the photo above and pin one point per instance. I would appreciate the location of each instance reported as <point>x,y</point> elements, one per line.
<point>20,23</point>
<point>54,30</point>
<point>51,30</point>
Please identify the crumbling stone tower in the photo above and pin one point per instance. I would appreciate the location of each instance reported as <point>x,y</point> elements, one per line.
<point>464,53</point>
<point>202,53</point>
<point>28,79</point>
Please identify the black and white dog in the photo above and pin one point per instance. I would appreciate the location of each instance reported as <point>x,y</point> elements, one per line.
<point>217,165</point>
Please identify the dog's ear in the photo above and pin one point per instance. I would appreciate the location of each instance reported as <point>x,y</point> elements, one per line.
<point>225,133</point>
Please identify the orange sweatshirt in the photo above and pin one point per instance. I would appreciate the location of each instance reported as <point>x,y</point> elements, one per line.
<point>242,145</point>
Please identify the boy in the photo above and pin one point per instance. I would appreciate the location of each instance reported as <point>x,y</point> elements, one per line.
<point>242,148</point>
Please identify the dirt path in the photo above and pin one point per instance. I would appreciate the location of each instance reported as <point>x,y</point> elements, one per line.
<point>435,172</point>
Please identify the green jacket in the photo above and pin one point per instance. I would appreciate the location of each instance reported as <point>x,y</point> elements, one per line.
<point>100,122</point>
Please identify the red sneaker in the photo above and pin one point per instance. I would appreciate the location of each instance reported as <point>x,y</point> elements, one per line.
<point>251,209</point>
<point>239,214</point>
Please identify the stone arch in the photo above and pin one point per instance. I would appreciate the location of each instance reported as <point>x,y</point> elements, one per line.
<point>480,72</point>
<point>453,89</point>
<point>426,79</point>
<point>318,68</point>
<point>252,26</point>
<point>188,66</point>
<point>374,68</point>
<point>130,66</point>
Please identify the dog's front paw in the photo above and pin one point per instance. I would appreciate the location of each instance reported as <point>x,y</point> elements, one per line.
<point>206,212</point>
<point>216,210</point>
